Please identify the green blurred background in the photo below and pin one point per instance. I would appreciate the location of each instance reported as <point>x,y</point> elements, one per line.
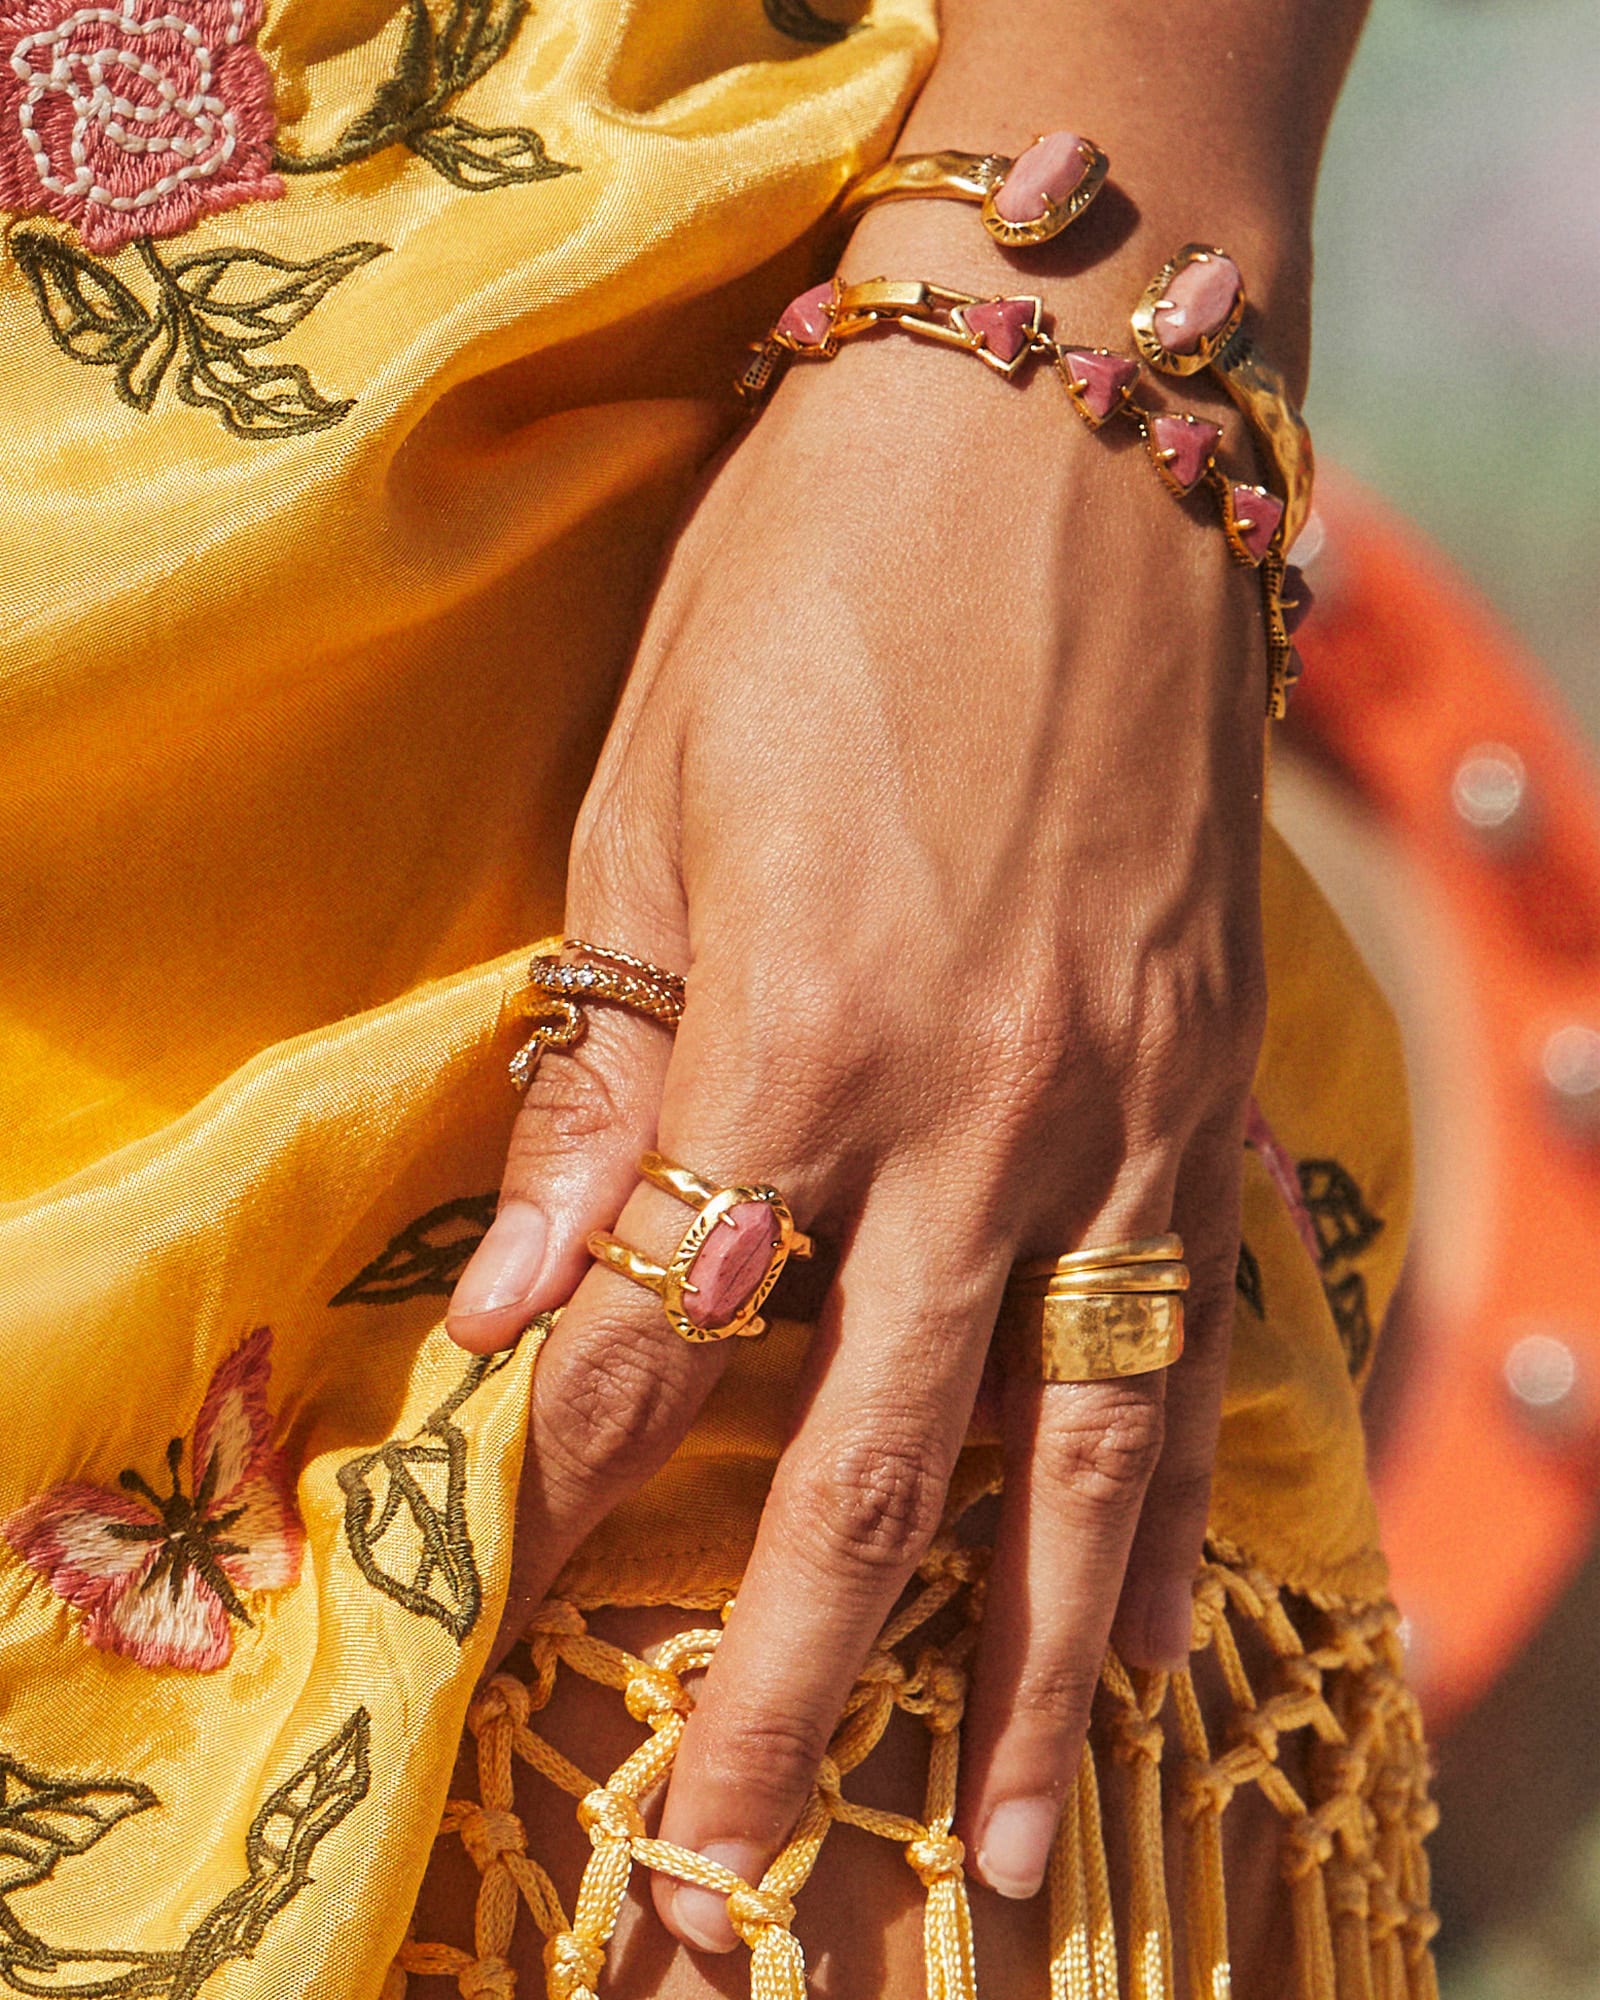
<point>1457,371</point>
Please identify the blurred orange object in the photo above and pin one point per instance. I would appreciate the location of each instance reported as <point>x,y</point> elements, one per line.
<point>1489,1479</point>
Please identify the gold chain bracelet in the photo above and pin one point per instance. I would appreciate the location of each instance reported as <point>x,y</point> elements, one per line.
<point>1190,318</point>
<point>1007,333</point>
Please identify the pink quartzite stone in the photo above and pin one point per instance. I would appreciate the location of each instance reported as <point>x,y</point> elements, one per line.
<point>1101,380</point>
<point>1198,301</point>
<point>1186,444</point>
<point>1256,514</point>
<point>1047,172</point>
<point>1298,599</point>
<point>807,319</point>
<point>1005,326</point>
<point>731,1263</point>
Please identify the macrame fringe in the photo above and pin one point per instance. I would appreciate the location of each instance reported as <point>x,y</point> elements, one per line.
<point>1352,1851</point>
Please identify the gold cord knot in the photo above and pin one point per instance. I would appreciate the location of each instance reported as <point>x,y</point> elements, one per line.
<point>654,1697</point>
<point>489,1832</point>
<point>503,1699</point>
<point>752,1911</point>
<point>1138,1736</point>
<point>937,1691</point>
<point>488,1979</point>
<point>556,1619</point>
<point>607,1815</point>
<point>571,1965</point>
<point>937,1857</point>
<point>1204,1788</point>
<point>1308,1845</point>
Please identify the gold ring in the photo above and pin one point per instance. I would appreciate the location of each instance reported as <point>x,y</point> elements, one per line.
<point>1173,1277</point>
<point>1094,1314</point>
<point>565,977</point>
<point>1091,1337</point>
<point>1132,1250</point>
<point>730,1258</point>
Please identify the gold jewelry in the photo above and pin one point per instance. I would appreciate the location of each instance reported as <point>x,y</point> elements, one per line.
<point>564,979</point>
<point>1058,175</point>
<point>1006,333</point>
<point>1131,1250</point>
<point>1109,1278</point>
<point>1223,346</point>
<point>1112,1309</point>
<point>1090,1338</point>
<point>740,1240</point>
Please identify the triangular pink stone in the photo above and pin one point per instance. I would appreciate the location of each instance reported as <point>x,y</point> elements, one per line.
<point>1004,326</point>
<point>1099,381</point>
<point>1184,445</point>
<point>1256,514</point>
<point>808,319</point>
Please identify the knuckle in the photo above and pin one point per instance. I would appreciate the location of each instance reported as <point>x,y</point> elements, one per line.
<point>1106,1453</point>
<point>873,1506</point>
<point>1056,1692</point>
<point>768,1758</point>
<point>568,1102</point>
<point>595,1425</point>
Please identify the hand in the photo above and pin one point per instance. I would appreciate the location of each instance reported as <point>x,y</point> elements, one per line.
<point>939,771</point>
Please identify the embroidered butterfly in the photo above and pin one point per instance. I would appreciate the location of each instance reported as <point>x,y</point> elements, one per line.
<point>161,1576</point>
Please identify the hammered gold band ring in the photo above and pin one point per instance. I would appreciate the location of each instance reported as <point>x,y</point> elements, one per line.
<point>564,978</point>
<point>1095,1315</point>
<point>731,1255</point>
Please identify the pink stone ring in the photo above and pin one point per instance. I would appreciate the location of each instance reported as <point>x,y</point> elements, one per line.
<point>730,1258</point>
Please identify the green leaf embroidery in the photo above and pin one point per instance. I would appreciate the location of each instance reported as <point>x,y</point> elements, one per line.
<point>477,157</point>
<point>411,107</point>
<point>93,316</point>
<point>282,1838</point>
<point>405,1515</point>
<point>202,328</point>
<point>801,23</point>
<point>425,1258</point>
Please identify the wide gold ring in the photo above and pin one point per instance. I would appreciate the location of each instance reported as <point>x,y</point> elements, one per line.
<point>1095,1315</point>
<point>715,1282</point>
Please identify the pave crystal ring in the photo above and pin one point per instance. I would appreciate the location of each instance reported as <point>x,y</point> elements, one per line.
<point>729,1260</point>
<point>562,980</point>
<point>1095,1315</point>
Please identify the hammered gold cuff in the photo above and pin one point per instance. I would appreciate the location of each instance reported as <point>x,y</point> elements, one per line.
<point>1090,1337</point>
<point>1095,1314</point>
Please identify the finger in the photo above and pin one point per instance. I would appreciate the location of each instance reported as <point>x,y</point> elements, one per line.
<point>614,1393</point>
<point>1079,1456</point>
<point>1155,1619</point>
<point>573,1159</point>
<point>856,1500</point>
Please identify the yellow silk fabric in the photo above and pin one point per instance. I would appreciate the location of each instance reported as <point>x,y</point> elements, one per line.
<point>291,737</point>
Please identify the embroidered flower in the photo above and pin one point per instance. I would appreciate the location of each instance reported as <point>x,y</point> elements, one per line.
<point>135,118</point>
<point>159,1575</point>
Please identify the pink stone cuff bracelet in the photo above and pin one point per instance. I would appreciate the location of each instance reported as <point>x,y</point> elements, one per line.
<point>1023,201</point>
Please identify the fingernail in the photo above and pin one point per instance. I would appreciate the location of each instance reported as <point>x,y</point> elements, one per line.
<point>506,1264</point>
<point>1014,1850</point>
<point>701,1915</point>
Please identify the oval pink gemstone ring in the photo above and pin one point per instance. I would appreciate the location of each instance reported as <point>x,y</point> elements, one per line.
<point>716,1280</point>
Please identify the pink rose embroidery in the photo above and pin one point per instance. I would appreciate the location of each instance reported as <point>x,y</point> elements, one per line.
<point>159,1575</point>
<point>135,118</point>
